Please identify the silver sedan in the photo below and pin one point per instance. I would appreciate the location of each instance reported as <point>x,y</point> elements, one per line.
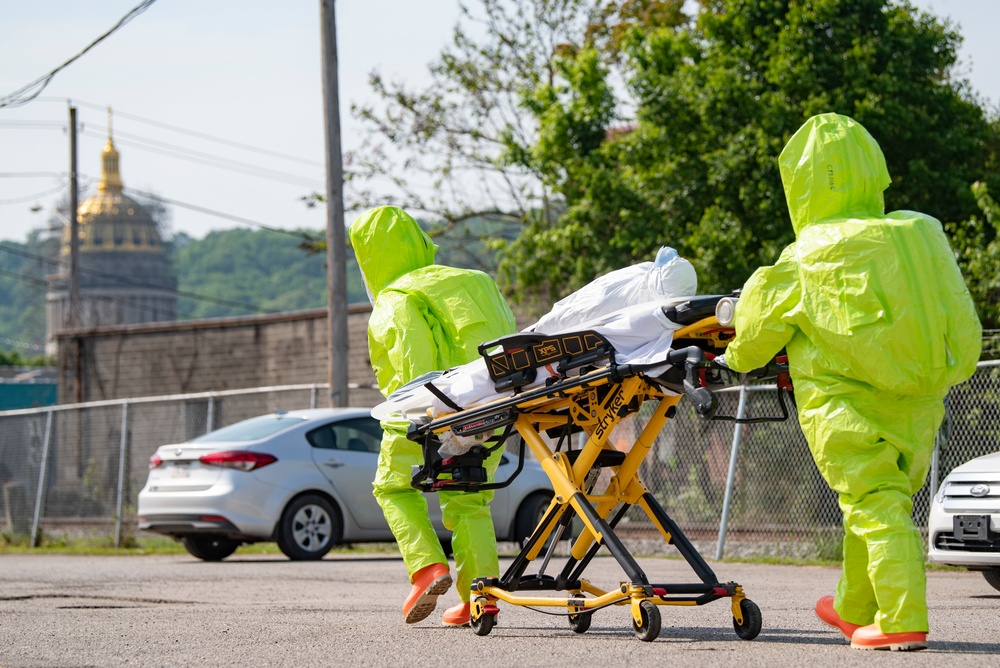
<point>302,479</point>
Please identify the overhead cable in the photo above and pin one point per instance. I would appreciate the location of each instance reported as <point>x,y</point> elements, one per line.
<point>219,214</point>
<point>202,135</point>
<point>121,300</point>
<point>32,198</point>
<point>172,150</point>
<point>132,282</point>
<point>27,93</point>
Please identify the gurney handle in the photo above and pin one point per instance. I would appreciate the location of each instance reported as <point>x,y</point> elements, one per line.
<point>703,400</point>
<point>691,357</point>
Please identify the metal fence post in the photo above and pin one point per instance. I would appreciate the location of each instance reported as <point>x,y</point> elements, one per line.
<point>731,477</point>
<point>41,480</point>
<point>210,416</point>
<point>312,396</point>
<point>121,476</point>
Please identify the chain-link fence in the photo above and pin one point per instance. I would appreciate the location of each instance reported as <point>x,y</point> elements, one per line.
<point>80,468</point>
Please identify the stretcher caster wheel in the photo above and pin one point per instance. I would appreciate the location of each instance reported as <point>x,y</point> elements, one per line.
<point>579,623</point>
<point>750,627</point>
<point>650,622</point>
<point>485,623</point>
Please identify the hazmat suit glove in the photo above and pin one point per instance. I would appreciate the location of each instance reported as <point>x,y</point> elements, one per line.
<point>453,445</point>
<point>734,378</point>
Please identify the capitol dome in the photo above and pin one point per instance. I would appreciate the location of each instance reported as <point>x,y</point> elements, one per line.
<point>125,275</point>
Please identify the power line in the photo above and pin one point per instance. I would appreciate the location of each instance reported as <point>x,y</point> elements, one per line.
<point>228,216</point>
<point>21,344</point>
<point>23,277</point>
<point>32,198</point>
<point>172,150</point>
<point>30,175</point>
<point>202,135</point>
<point>121,300</point>
<point>301,236</point>
<point>33,124</point>
<point>132,282</point>
<point>27,93</point>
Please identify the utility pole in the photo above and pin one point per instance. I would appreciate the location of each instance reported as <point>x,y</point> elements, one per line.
<point>336,275</point>
<point>74,228</point>
<point>74,253</point>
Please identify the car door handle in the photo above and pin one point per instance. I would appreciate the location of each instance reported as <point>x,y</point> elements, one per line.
<point>333,463</point>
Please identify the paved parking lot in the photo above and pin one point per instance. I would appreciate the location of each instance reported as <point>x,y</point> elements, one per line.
<point>173,610</point>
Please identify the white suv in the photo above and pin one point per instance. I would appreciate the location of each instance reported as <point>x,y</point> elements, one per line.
<point>964,524</point>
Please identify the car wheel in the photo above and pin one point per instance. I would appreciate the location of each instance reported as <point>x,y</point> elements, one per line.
<point>529,514</point>
<point>993,577</point>
<point>209,548</point>
<point>308,528</point>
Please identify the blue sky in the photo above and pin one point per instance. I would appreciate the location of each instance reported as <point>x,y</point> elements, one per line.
<point>246,71</point>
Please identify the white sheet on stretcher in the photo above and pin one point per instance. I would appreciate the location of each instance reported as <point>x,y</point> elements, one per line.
<point>640,334</point>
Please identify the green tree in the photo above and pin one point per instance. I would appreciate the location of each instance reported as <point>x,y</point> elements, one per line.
<point>683,150</point>
<point>979,244</point>
<point>23,271</point>
<point>715,103</point>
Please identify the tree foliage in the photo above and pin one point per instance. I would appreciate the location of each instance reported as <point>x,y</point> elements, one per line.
<point>23,268</point>
<point>259,268</point>
<point>620,127</point>
<point>979,242</point>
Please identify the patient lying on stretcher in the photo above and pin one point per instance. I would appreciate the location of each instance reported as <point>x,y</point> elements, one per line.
<point>624,306</point>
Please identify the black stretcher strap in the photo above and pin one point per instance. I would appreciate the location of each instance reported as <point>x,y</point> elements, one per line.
<point>443,397</point>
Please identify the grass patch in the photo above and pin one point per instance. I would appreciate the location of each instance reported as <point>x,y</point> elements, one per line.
<point>151,544</point>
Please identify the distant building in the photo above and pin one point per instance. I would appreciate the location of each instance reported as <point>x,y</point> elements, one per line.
<point>125,275</point>
<point>27,387</point>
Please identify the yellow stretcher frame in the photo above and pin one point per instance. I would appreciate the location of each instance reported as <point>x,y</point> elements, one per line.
<point>595,402</point>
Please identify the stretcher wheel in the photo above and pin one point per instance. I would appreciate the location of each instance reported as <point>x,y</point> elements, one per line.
<point>750,627</point>
<point>485,623</point>
<point>650,622</point>
<point>580,623</point>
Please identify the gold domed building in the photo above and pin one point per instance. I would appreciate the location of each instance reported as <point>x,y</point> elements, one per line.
<point>124,272</point>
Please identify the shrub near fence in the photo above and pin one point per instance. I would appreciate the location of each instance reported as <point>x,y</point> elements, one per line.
<point>768,500</point>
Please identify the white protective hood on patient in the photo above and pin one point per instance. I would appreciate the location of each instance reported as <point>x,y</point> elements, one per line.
<point>667,277</point>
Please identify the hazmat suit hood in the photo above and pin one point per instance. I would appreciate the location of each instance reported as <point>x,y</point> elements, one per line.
<point>388,244</point>
<point>822,180</point>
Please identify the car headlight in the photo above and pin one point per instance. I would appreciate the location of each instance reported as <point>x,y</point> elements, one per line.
<point>939,497</point>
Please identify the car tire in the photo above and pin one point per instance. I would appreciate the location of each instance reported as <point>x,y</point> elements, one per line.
<point>209,548</point>
<point>993,577</point>
<point>309,527</point>
<point>529,514</point>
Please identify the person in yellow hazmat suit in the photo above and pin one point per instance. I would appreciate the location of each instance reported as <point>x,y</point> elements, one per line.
<point>878,324</point>
<point>426,317</point>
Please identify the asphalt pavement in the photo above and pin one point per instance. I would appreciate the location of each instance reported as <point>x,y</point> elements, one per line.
<point>61,610</point>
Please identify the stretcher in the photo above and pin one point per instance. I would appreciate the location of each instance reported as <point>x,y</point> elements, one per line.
<point>586,391</point>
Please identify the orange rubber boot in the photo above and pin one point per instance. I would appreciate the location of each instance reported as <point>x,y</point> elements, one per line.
<point>871,637</point>
<point>428,583</point>
<point>827,615</point>
<point>456,615</point>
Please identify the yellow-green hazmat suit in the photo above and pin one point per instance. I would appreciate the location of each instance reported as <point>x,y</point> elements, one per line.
<point>878,324</point>
<point>425,317</point>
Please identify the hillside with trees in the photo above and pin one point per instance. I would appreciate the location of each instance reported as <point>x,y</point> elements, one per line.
<point>235,272</point>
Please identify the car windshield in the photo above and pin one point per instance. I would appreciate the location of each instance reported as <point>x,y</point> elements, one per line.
<point>253,429</point>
